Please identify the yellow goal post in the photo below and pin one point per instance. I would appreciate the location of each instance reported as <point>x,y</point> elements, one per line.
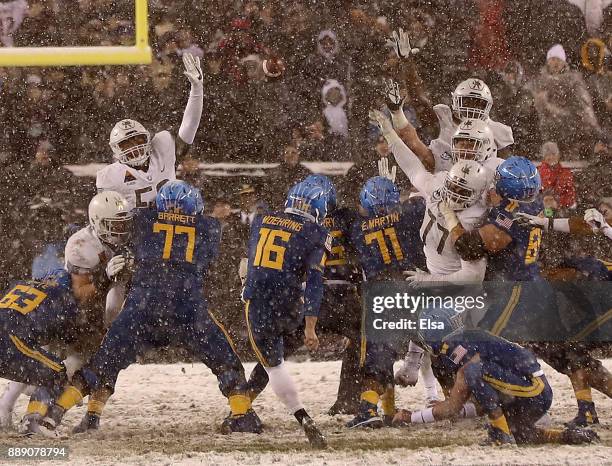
<point>138,54</point>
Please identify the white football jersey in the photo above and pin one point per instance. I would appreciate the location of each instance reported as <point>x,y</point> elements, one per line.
<point>441,146</point>
<point>85,253</point>
<point>441,255</point>
<point>137,186</point>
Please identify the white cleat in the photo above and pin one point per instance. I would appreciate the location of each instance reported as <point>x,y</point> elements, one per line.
<point>408,374</point>
<point>33,425</point>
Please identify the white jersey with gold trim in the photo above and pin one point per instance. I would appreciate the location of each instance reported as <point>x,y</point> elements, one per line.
<point>137,186</point>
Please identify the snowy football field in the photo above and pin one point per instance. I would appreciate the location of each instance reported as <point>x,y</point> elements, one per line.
<point>169,414</point>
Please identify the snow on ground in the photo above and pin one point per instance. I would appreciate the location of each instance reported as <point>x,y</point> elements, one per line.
<point>169,414</point>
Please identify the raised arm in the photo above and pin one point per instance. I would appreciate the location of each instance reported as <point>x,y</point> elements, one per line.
<point>420,178</point>
<point>195,104</point>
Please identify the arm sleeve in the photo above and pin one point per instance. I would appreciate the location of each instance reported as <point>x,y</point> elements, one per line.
<point>410,164</point>
<point>470,272</point>
<point>192,115</point>
<point>313,294</point>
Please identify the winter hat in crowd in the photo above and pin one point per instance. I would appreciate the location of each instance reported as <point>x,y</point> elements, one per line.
<point>549,147</point>
<point>556,51</point>
<point>332,35</point>
<point>335,115</point>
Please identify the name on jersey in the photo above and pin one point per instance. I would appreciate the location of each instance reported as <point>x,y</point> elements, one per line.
<point>174,217</point>
<point>282,222</point>
<point>329,222</point>
<point>380,221</point>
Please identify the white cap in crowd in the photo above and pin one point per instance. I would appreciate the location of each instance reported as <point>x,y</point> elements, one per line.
<point>556,51</point>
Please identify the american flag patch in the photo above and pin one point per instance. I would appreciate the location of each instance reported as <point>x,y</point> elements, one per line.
<point>504,221</point>
<point>458,353</point>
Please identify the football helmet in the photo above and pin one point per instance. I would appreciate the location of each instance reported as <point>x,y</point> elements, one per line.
<point>464,184</point>
<point>328,186</point>
<point>379,195</point>
<point>179,196</point>
<point>110,217</point>
<point>473,140</point>
<point>472,99</point>
<point>135,155</point>
<point>518,179</point>
<point>307,200</point>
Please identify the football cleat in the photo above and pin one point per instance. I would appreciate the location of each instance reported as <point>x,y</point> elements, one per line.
<point>586,415</point>
<point>408,374</point>
<point>314,435</point>
<point>33,425</point>
<point>498,437</point>
<point>577,436</point>
<point>91,421</point>
<point>248,422</point>
<point>366,417</point>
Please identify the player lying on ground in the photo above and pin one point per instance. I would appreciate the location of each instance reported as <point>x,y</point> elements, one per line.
<point>284,248</point>
<point>174,246</point>
<point>504,379</point>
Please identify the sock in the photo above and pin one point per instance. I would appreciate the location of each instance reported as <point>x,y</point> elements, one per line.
<point>429,379</point>
<point>300,415</point>
<point>584,398</point>
<point>37,407</point>
<point>239,404</point>
<point>371,397</point>
<point>284,388</point>
<point>584,395</point>
<point>95,406</point>
<point>388,401</point>
<point>69,398</point>
<point>500,423</point>
<point>10,395</point>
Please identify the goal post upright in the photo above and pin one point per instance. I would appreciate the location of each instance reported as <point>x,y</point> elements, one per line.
<point>138,54</point>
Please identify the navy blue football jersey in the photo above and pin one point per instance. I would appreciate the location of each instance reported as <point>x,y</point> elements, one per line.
<point>591,267</point>
<point>282,247</point>
<point>390,244</point>
<point>173,249</point>
<point>519,260</point>
<point>40,311</point>
<point>340,263</point>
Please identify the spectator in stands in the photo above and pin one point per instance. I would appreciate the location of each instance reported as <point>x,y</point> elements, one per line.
<point>557,178</point>
<point>596,176</point>
<point>288,172</point>
<point>11,17</point>
<point>564,106</point>
<point>597,64</point>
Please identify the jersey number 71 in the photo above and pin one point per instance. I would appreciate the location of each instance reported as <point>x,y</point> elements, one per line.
<point>380,237</point>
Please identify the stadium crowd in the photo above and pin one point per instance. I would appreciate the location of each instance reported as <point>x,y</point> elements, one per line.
<point>548,66</point>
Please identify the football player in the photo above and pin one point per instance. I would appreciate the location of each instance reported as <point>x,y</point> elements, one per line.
<point>387,243</point>
<point>175,245</point>
<point>503,378</point>
<point>461,188</point>
<point>34,314</point>
<point>285,247</point>
<point>144,163</point>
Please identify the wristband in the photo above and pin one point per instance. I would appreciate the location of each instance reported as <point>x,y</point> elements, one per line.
<point>422,416</point>
<point>559,224</point>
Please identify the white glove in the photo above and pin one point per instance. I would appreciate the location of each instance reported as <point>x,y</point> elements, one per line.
<point>115,266</point>
<point>536,221</point>
<point>393,97</point>
<point>383,169</point>
<point>595,219</point>
<point>243,269</point>
<point>379,119</point>
<point>450,217</point>
<point>193,70</point>
<point>400,42</point>
<point>415,277</point>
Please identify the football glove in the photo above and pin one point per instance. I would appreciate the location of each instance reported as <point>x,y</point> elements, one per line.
<point>400,43</point>
<point>383,123</point>
<point>595,219</point>
<point>534,220</point>
<point>193,70</point>
<point>393,97</point>
<point>383,169</point>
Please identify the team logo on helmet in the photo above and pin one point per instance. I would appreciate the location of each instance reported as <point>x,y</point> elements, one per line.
<point>126,124</point>
<point>476,85</point>
<point>467,124</point>
<point>466,170</point>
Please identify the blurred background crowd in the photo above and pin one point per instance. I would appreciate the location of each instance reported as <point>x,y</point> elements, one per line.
<point>547,63</point>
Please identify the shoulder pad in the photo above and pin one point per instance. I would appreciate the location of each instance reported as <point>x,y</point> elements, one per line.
<point>82,252</point>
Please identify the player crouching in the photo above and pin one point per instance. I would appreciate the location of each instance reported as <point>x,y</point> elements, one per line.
<point>505,380</point>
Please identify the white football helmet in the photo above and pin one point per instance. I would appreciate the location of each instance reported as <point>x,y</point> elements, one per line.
<point>464,185</point>
<point>136,155</point>
<point>473,140</point>
<point>110,217</point>
<point>472,99</point>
